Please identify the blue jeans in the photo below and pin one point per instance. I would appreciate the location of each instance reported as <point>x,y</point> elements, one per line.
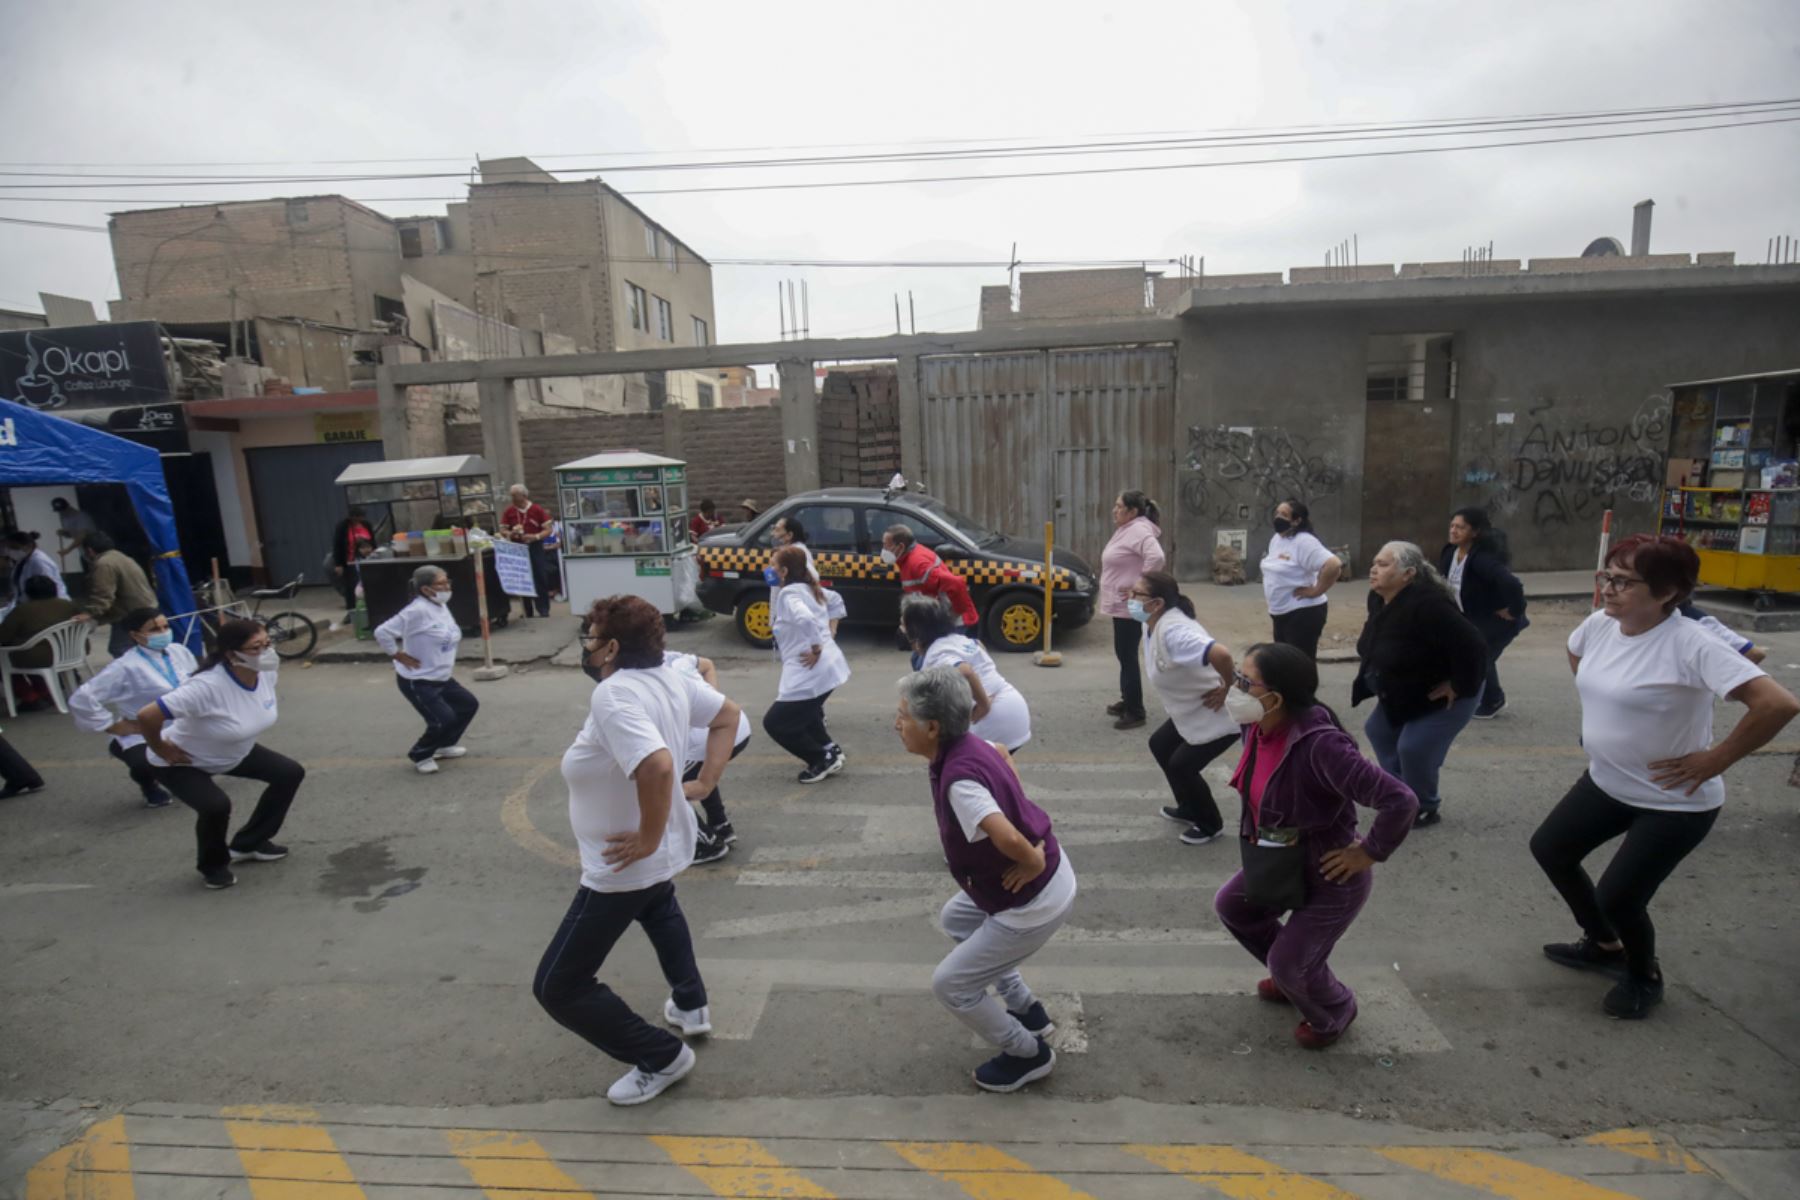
<point>447,708</point>
<point>1413,751</point>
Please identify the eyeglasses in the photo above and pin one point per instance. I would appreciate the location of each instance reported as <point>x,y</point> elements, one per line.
<point>1615,583</point>
<point>1244,682</point>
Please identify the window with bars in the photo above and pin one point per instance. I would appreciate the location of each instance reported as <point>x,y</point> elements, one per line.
<point>700,333</point>
<point>703,392</point>
<point>638,303</point>
<point>665,319</point>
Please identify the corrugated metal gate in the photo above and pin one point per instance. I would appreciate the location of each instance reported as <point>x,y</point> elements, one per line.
<point>995,451</point>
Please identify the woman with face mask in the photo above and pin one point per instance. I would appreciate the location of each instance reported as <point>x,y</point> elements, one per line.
<point>208,726</point>
<point>422,639</point>
<point>1300,780</point>
<point>1297,571</point>
<point>1132,550</point>
<point>155,665</point>
<point>1425,665</point>
<point>1189,671</point>
<point>812,667</point>
<point>1000,714</point>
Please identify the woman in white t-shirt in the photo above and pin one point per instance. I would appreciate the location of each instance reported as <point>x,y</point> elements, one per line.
<point>1191,672</point>
<point>1000,714</point>
<point>636,833</point>
<point>716,832</point>
<point>1297,571</point>
<point>422,639</point>
<point>208,726</point>
<point>1647,679</point>
<point>155,665</point>
<point>812,667</point>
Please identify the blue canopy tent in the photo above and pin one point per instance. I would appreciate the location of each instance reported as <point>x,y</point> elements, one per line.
<point>37,449</point>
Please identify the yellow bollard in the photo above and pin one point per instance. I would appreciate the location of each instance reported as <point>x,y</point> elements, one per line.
<point>1048,657</point>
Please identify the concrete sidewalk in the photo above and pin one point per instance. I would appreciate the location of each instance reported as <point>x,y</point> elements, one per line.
<point>1019,1147</point>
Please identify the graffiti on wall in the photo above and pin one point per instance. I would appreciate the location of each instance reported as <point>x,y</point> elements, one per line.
<point>1558,466</point>
<point>1234,472</point>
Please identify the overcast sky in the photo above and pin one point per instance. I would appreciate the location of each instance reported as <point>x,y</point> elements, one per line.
<point>126,83</point>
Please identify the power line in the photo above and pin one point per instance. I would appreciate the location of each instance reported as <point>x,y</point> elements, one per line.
<point>1056,150</point>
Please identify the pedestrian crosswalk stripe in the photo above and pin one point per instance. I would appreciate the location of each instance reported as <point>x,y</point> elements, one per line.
<point>1238,1175</point>
<point>984,1172</point>
<point>95,1166</point>
<point>512,1166</point>
<point>738,1167</point>
<point>288,1155</point>
<point>1652,1147</point>
<point>1498,1175</point>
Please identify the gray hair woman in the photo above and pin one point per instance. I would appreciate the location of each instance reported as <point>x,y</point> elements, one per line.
<point>1017,885</point>
<point>1424,663</point>
<point>421,639</point>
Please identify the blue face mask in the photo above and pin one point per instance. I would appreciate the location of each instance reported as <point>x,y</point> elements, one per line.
<point>160,641</point>
<point>1135,607</point>
<point>770,577</point>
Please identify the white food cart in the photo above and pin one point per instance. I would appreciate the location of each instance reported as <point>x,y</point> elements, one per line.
<point>625,530</point>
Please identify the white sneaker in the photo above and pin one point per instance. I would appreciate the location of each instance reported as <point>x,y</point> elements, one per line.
<point>692,1022</point>
<point>450,752</point>
<point>638,1085</point>
<point>427,766</point>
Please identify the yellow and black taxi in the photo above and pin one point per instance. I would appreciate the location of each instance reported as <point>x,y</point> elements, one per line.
<point>843,531</point>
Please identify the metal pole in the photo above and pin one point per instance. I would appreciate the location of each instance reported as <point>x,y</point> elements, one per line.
<point>1605,545</point>
<point>780,311</point>
<point>897,328</point>
<point>912,313</point>
<point>805,310</point>
<point>1048,657</point>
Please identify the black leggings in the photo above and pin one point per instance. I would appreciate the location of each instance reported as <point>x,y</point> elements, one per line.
<point>1181,764</point>
<point>714,804</point>
<point>1127,636</point>
<point>1655,843</point>
<point>798,726</point>
<point>137,762</point>
<point>1301,627</point>
<point>196,789</point>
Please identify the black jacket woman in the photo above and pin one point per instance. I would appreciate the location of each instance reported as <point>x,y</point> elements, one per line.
<point>1424,663</point>
<point>1474,561</point>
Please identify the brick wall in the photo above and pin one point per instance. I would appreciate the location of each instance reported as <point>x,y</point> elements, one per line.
<point>731,453</point>
<point>859,428</point>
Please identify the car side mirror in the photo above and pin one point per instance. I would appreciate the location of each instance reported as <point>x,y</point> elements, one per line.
<point>948,551</point>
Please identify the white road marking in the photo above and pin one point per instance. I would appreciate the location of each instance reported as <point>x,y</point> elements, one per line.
<point>900,880</point>
<point>823,918</point>
<point>1066,1014</point>
<point>36,889</point>
<point>928,844</point>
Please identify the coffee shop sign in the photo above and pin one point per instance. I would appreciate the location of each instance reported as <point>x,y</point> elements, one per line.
<point>84,366</point>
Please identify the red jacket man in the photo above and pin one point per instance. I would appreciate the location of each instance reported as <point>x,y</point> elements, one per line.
<point>923,572</point>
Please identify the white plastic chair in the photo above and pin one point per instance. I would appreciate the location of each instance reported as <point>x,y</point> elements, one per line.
<point>69,656</point>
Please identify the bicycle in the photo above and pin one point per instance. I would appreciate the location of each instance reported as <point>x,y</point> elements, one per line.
<point>293,634</point>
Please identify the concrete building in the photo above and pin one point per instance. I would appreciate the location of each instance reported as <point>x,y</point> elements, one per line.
<point>13,318</point>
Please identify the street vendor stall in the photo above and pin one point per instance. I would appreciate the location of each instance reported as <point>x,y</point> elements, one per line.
<point>625,530</point>
<point>1732,483</point>
<point>422,511</point>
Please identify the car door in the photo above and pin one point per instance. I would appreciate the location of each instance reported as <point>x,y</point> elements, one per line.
<point>833,538</point>
<point>883,583</point>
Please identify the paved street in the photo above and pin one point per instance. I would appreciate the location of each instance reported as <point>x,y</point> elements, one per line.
<point>359,1016</point>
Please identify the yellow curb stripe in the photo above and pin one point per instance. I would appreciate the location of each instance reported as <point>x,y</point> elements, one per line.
<point>512,1166</point>
<point>984,1172</point>
<point>738,1167</point>
<point>95,1166</point>
<point>1652,1147</point>
<point>287,1155</point>
<point>1238,1175</point>
<point>1497,1174</point>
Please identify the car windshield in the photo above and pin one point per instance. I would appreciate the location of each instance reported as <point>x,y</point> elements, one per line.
<point>979,534</point>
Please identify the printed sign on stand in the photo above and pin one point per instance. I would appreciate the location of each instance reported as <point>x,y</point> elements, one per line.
<point>512,560</point>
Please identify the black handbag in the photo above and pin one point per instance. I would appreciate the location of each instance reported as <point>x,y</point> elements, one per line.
<point>1274,876</point>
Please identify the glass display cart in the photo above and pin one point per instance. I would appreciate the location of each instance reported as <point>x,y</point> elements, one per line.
<point>1732,484</point>
<point>625,529</point>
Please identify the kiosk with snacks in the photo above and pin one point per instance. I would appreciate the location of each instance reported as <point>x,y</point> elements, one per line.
<point>1732,483</point>
<point>625,530</point>
<point>426,510</point>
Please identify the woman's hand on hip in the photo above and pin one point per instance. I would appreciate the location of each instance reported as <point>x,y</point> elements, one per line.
<point>406,660</point>
<point>1021,873</point>
<point>623,849</point>
<point>1690,769</point>
<point>1444,692</point>
<point>1341,866</point>
<point>810,659</point>
<point>170,753</point>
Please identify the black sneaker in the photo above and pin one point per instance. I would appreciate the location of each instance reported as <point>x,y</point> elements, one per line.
<point>1487,712</point>
<point>1193,835</point>
<point>1116,709</point>
<point>824,770</point>
<point>1427,816</point>
<point>1171,812</point>
<point>267,852</point>
<point>1036,1020</point>
<point>1130,720</point>
<point>1009,1073</point>
<point>156,796</point>
<point>1632,999</point>
<point>218,879</point>
<point>19,789</point>
<point>1587,955</point>
<point>707,849</point>
<point>723,832</point>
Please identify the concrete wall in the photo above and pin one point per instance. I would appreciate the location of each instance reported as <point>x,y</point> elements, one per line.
<point>373,245</point>
<point>563,291</point>
<point>687,286</point>
<point>1067,295</point>
<point>447,267</point>
<point>731,455</point>
<point>1560,411</point>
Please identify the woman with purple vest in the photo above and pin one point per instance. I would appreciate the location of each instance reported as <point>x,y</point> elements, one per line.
<point>1300,778</point>
<point>1017,885</point>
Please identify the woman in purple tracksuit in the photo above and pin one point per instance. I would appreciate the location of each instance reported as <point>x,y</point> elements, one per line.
<point>1300,778</point>
<point>1017,884</point>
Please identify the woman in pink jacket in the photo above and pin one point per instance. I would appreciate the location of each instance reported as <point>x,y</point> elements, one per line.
<point>1131,553</point>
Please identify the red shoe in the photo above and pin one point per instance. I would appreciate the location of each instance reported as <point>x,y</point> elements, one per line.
<point>1266,990</point>
<point>1312,1039</point>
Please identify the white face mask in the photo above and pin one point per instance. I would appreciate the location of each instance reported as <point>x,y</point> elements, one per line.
<point>439,597</point>
<point>263,662</point>
<point>888,556</point>
<point>1242,707</point>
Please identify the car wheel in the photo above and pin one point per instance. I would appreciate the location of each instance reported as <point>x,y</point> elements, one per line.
<point>755,619</point>
<point>1015,622</point>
